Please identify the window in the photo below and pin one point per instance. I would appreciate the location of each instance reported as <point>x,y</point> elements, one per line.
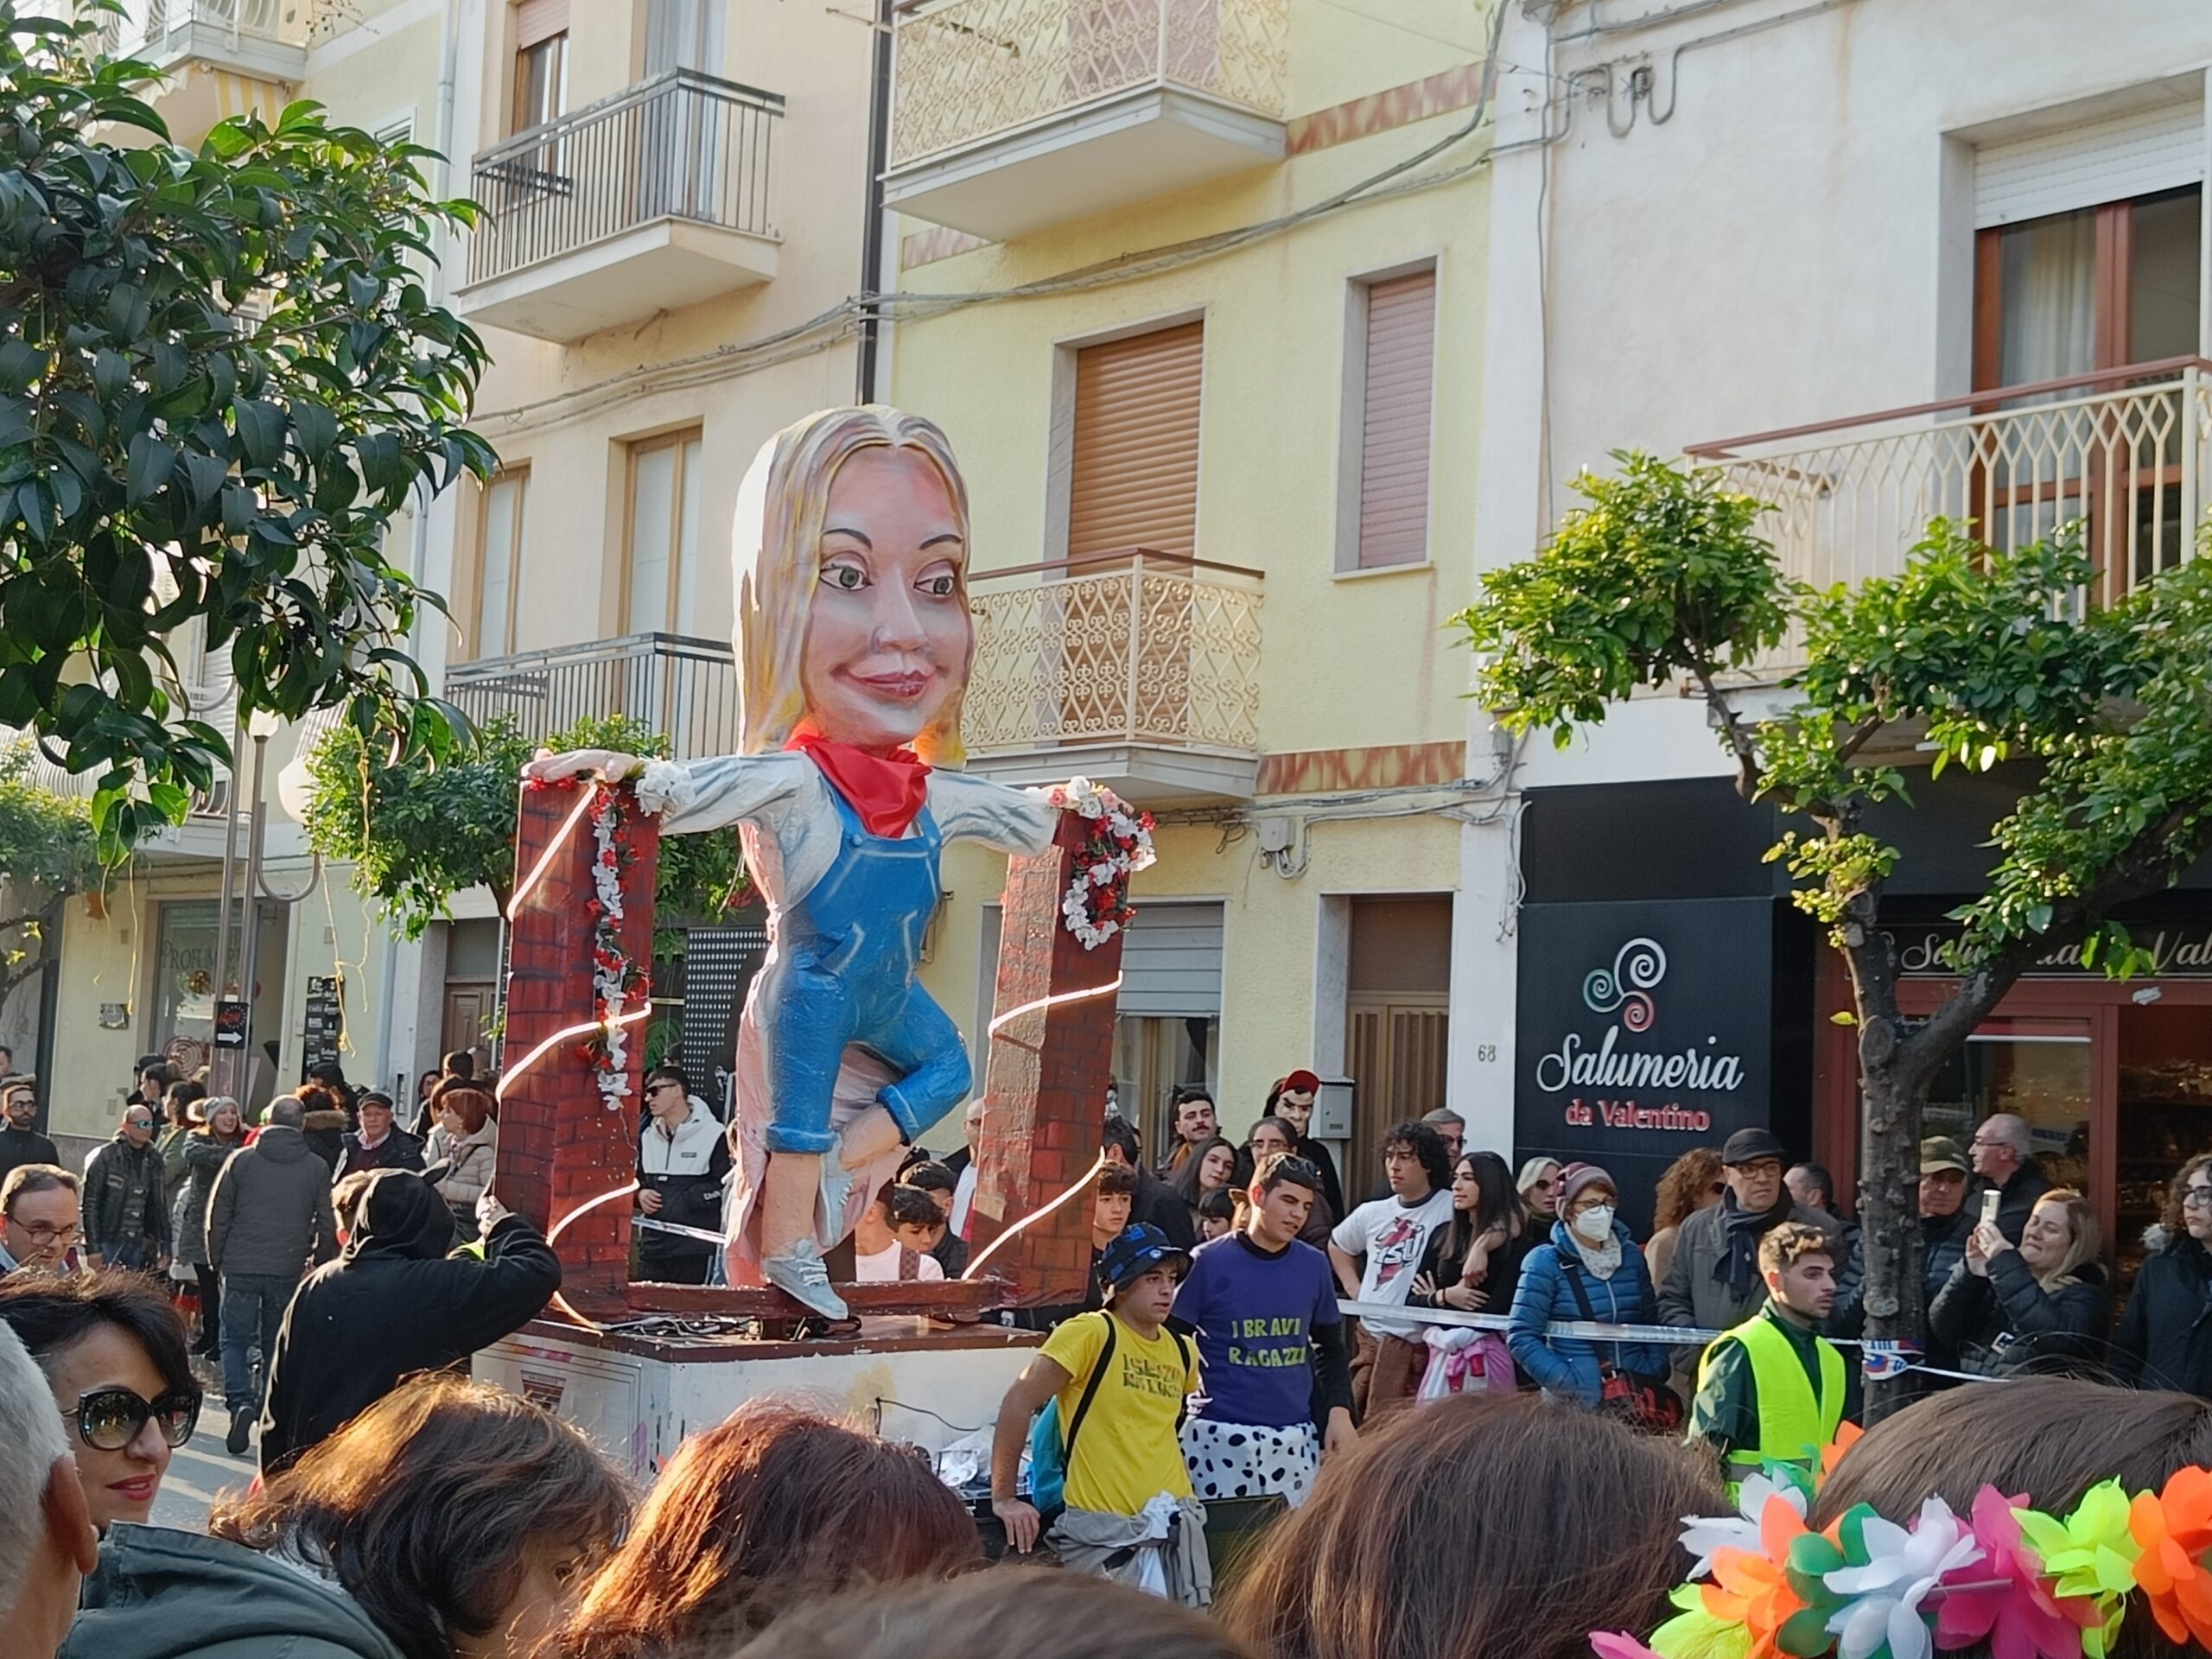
<point>683,34</point>
<point>1392,374</point>
<point>1134,479</point>
<point>507,523</point>
<point>662,592</point>
<point>541,62</point>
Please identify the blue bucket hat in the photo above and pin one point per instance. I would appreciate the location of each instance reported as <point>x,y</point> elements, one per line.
<point>1134,1253</point>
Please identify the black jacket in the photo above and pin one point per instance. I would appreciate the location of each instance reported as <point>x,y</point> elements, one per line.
<point>1942,1247</point>
<point>393,1305</point>
<point>1162,1205</point>
<point>398,1150</point>
<point>688,1169</point>
<point>2165,1336</point>
<point>122,1198</point>
<point>2007,1324</point>
<point>20,1147</point>
<point>325,1134</point>
<point>2018,1198</point>
<point>270,1209</point>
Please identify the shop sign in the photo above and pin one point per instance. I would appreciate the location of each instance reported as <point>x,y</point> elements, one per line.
<point>1644,1029</point>
<point>230,1023</point>
<point>324,1025</point>
<point>2183,950</point>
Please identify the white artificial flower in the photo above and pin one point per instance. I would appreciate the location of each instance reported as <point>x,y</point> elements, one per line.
<point>1884,1595</point>
<point>1704,1536</point>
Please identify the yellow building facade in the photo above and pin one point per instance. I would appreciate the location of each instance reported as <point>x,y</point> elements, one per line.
<point>1197,291</point>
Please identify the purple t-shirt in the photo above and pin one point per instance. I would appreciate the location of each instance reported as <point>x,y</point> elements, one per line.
<point>1255,1315</point>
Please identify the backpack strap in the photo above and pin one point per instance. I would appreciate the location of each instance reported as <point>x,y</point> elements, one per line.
<point>1089,1392</point>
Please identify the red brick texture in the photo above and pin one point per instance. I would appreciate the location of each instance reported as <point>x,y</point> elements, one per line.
<point>560,1146</point>
<point>1049,1069</point>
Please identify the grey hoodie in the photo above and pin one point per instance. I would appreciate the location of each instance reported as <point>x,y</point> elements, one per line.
<point>162,1594</point>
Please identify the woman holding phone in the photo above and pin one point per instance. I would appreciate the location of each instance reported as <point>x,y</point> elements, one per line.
<point>2039,1307</point>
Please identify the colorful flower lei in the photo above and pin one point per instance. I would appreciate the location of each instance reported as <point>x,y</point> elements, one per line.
<point>2029,1584</point>
<point>1116,844</point>
<point>618,981</point>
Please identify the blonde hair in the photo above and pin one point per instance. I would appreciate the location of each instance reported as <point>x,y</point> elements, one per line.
<point>781,508</point>
<point>2083,1247</point>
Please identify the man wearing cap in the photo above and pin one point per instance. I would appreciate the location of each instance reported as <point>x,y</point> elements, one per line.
<point>1121,1377</point>
<point>1771,1389</point>
<point>1292,1100</point>
<point>1713,1282</point>
<point>1945,1219</point>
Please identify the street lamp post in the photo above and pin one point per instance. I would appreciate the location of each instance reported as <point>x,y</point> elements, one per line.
<point>260,726</point>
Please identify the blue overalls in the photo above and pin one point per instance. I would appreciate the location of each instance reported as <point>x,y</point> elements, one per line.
<point>844,973</point>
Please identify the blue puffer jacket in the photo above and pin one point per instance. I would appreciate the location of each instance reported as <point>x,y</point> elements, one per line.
<point>1567,1365</point>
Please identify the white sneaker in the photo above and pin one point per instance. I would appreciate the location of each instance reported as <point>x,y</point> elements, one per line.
<point>799,1275</point>
<point>836,1191</point>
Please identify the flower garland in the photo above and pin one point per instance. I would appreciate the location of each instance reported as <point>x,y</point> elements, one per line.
<point>618,981</point>
<point>1117,844</point>
<point>2019,1580</point>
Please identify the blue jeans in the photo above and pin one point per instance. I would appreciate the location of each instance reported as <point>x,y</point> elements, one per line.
<point>253,1312</point>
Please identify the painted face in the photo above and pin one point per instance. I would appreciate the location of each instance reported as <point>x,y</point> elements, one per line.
<point>889,634</point>
<point>2047,1237</point>
<point>119,1485</point>
<point>41,1227</point>
<point>1942,1190</point>
<point>1219,1164</point>
<point>1296,1107</point>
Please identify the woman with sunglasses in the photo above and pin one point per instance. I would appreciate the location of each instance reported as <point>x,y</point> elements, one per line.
<point>112,1348</point>
<point>1691,1183</point>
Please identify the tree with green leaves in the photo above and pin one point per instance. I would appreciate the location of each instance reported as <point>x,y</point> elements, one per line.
<point>221,377</point>
<point>47,853</point>
<point>1970,656</point>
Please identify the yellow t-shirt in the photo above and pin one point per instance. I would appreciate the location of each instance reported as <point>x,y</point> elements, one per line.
<point>1128,1453</point>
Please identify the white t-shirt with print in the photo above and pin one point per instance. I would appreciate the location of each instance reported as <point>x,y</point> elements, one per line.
<point>1392,1235</point>
<point>882,1267</point>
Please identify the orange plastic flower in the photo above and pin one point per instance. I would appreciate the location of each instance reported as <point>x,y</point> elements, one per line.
<point>1847,1434</point>
<point>2175,1528</point>
<point>1752,1589</point>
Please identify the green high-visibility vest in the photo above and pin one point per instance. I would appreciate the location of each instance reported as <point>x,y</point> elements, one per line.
<point>1794,1426</point>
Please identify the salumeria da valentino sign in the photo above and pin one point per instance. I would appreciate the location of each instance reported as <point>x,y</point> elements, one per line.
<point>1626,988</point>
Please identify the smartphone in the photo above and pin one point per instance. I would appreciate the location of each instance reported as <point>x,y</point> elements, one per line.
<point>1990,1201</point>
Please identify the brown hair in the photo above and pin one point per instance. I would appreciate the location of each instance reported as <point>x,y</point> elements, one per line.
<point>1451,1530</point>
<point>771,1507</point>
<point>2050,1438</point>
<point>1785,1246</point>
<point>2171,1216</point>
<point>33,1177</point>
<point>1118,1179</point>
<point>1012,1610</point>
<point>1687,1180</point>
<point>427,1506</point>
<point>472,1103</point>
<point>2082,1222</point>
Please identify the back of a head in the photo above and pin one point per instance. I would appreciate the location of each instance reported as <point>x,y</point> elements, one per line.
<point>427,1506</point>
<point>1001,1614</point>
<point>28,1453</point>
<point>289,1111</point>
<point>1478,1526</point>
<point>400,1214</point>
<point>459,1063</point>
<point>769,1507</point>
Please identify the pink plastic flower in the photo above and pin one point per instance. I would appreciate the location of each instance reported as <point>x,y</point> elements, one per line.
<point>2019,1616</point>
<point>1618,1645</point>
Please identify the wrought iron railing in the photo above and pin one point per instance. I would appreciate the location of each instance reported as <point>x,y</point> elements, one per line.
<point>143,24</point>
<point>1136,647</point>
<point>683,688</point>
<point>966,69</point>
<point>2124,452</point>
<point>682,145</point>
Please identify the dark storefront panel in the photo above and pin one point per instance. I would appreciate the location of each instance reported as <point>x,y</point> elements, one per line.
<point>1647,1029</point>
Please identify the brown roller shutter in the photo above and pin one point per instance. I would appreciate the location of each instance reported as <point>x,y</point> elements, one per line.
<point>1135,481</point>
<point>1394,434</point>
<point>540,19</point>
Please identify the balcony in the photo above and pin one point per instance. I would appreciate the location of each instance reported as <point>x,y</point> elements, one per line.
<point>223,57</point>
<point>2124,451</point>
<point>1141,670</point>
<point>648,201</point>
<point>683,688</point>
<point>1011,115</point>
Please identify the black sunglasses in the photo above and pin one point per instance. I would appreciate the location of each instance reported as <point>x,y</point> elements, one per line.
<point>109,1419</point>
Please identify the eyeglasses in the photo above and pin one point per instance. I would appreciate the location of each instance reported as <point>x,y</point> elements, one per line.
<point>109,1419</point>
<point>139,1123</point>
<point>2198,1196</point>
<point>42,1233</point>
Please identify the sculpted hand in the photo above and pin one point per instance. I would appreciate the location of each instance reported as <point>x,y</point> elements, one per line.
<point>551,768</point>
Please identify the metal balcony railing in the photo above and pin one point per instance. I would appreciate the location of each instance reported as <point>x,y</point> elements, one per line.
<point>967,69</point>
<point>2124,451</point>
<point>1135,647</point>
<point>145,23</point>
<point>682,145</point>
<point>683,688</point>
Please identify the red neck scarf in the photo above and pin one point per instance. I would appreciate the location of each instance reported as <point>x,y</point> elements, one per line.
<point>886,787</point>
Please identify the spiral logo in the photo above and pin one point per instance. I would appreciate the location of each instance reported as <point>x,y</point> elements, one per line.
<point>1638,966</point>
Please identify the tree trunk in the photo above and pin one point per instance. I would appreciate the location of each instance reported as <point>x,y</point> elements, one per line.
<point>1888,1210</point>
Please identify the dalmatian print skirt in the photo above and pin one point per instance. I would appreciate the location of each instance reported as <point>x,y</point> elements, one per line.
<point>1239,1460</point>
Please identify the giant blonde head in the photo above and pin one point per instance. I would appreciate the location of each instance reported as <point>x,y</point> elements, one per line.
<point>850,554</point>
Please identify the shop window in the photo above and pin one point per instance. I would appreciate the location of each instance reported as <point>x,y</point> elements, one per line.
<point>661,592</point>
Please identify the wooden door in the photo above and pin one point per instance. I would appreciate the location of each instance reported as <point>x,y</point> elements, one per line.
<point>468,1014</point>
<point>1397,1054</point>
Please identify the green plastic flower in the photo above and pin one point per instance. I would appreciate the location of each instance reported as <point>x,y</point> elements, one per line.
<point>2091,1552</point>
<point>1694,1633</point>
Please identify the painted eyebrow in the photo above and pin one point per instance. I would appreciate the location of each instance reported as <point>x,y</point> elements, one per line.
<point>952,535</point>
<point>841,530</point>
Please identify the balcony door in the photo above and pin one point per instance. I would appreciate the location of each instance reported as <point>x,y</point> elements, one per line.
<point>682,131</point>
<point>2069,293</point>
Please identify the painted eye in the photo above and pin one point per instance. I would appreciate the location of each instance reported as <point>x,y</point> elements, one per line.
<point>846,578</point>
<point>940,583</point>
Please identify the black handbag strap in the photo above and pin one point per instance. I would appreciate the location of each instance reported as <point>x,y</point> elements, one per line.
<point>1090,1392</point>
<point>1572,1270</point>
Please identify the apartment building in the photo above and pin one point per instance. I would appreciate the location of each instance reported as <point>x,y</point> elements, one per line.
<point>1197,286</point>
<point>1880,260</point>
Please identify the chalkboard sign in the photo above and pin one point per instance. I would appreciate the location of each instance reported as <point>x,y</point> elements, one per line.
<point>326,1023</point>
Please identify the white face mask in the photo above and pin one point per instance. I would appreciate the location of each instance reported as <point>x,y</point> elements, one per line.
<point>1595,1224</point>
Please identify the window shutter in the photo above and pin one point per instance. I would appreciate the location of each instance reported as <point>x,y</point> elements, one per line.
<point>540,19</point>
<point>2131,155</point>
<point>1135,482</point>
<point>1401,377</point>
